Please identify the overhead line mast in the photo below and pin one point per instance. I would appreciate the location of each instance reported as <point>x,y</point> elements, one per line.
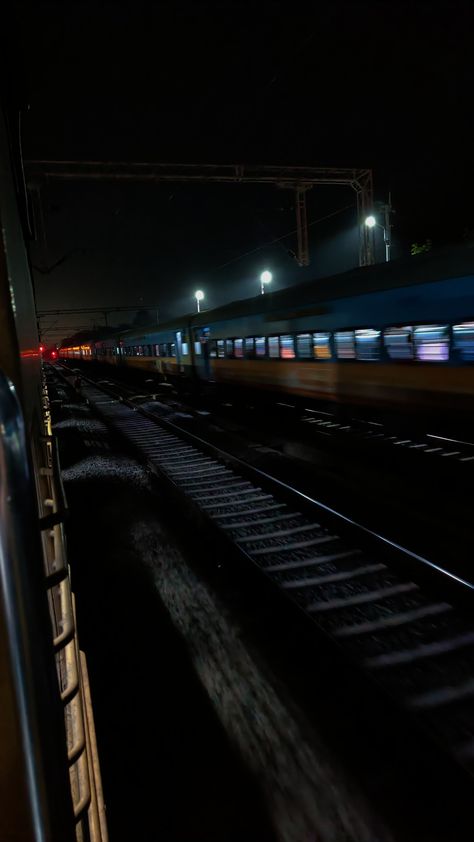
<point>298,179</point>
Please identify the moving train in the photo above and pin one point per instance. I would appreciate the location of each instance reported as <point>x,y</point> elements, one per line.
<point>392,336</point>
<point>49,777</point>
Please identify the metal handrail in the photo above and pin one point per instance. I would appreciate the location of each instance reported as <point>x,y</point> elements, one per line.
<point>84,769</point>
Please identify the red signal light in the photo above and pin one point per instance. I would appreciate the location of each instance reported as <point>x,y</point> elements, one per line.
<point>41,349</point>
<point>54,354</point>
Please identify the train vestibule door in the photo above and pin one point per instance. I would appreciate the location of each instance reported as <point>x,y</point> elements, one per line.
<point>202,364</point>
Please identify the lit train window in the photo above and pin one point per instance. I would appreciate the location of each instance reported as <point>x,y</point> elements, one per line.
<point>197,349</point>
<point>185,349</point>
<point>399,343</point>
<point>304,346</point>
<point>220,349</point>
<point>273,346</point>
<point>463,340</point>
<point>157,350</point>
<point>432,343</point>
<point>212,348</point>
<point>367,344</point>
<point>287,347</point>
<point>229,347</point>
<point>260,346</point>
<point>321,346</point>
<point>249,346</point>
<point>239,348</point>
<point>172,349</point>
<point>345,345</point>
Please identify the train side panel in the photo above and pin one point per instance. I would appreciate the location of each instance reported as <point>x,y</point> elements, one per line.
<point>19,348</point>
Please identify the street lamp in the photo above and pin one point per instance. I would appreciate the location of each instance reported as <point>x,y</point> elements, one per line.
<point>371,222</point>
<point>265,278</point>
<point>199,295</point>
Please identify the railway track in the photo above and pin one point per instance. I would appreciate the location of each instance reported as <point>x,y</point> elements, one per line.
<point>402,619</point>
<point>437,447</point>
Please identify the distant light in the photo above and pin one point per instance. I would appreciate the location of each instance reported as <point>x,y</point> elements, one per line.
<point>199,295</point>
<point>41,349</point>
<point>371,222</point>
<point>266,277</point>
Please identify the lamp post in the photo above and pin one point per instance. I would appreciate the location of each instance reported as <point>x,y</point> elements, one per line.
<point>371,222</point>
<point>198,295</point>
<point>265,278</point>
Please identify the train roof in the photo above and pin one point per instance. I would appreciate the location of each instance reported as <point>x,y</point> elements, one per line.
<point>436,265</point>
<point>406,271</point>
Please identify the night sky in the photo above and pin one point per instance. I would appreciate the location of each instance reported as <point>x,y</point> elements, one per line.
<point>381,85</point>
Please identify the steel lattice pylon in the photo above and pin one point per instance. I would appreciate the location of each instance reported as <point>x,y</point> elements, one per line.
<point>300,179</point>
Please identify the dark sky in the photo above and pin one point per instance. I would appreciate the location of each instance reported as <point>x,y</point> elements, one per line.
<point>382,85</point>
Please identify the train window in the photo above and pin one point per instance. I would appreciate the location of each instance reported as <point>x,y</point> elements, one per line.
<point>399,343</point>
<point>185,349</point>
<point>239,348</point>
<point>220,349</point>
<point>212,348</point>
<point>273,346</point>
<point>322,346</point>
<point>172,349</point>
<point>249,346</point>
<point>260,346</point>
<point>463,340</point>
<point>287,347</point>
<point>229,347</point>
<point>432,343</point>
<point>197,349</point>
<point>367,344</point>
<point>163,349</point>
<point>304,346</point>
<point>157,350</point>
<point>345,346</point>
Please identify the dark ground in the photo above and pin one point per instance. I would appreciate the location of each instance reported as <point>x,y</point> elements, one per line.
<point>198,739</point>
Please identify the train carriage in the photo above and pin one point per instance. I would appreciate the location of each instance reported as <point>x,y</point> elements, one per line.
<point>404,338</point>
<point>398,337</point>
<point>48,790</point>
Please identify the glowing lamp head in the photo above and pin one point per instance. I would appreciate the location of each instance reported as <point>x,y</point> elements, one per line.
<point>371,222</point>
<point>199,295</point>
<point>266,277</point>
<point>41,348</point>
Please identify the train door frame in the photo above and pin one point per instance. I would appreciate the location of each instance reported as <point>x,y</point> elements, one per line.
<point>202,364</point>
